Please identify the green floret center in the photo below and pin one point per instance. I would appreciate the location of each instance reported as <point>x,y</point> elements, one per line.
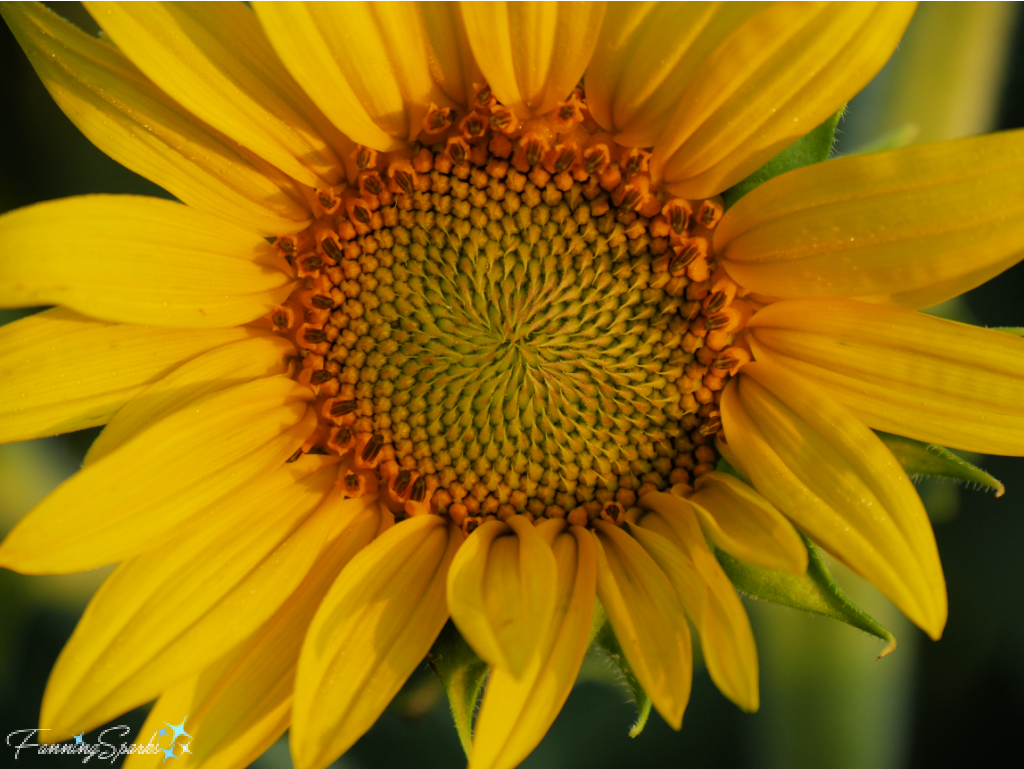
<point>516,342</point>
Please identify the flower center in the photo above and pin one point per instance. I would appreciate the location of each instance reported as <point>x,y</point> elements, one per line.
<point>507,319</point>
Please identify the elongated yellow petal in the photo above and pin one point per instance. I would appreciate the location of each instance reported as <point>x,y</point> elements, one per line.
<point>61,371</point>
<point>163,616</point>
<point>311,42</point>
<point>176,700</point>
<point>373,628</point>
<point>499,592</point>
<point>938,292</point>
<point>647,618</point>
<point>241,704</point>
<point>517,711</point>
<point>219,369</point>
<point>743,523</point>
<point>214,60</point>
<point>647,55</point>
<point>911,227</point>
<point>125,115</point>
<point>137,496</point>
<point>370,67</point>
<point>904,372</point>
<point>673,538</point>
<point>532,53</point>
<point>774,79</point>
<point>451,58</point>
<point>137,260</point>
<point>836,480</point>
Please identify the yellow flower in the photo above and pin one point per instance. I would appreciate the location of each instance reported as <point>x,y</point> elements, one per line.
<point>442,332</point>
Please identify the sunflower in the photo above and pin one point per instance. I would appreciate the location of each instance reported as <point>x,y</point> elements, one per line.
<point>452,321</point>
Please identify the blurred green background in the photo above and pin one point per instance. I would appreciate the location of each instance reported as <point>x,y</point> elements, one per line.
<point>826,701</point>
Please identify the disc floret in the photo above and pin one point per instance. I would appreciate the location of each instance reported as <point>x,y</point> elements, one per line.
<point>508,318</point>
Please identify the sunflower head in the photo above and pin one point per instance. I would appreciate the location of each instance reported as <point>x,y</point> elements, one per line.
<point>496,313</point>
<point>499,323</point>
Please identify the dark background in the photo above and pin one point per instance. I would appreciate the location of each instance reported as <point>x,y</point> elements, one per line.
<point>825,701</point>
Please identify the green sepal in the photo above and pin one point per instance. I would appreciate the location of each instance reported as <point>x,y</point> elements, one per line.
<point>605,642</point>
<point>463,674</point>
<point>816,591</point>
<point>812,148</point>
<point>919,458</point>
<point>1015,330</point>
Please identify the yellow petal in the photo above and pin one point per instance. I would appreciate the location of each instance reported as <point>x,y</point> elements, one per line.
<point>725,452</point>
<point>647,618</point>
<point>61,371</point>
<point>125,115</point>
<point>137,260</point>
<point>647,55</point>
<point>903,372</point>
<point>517,712</point>
<point>911,227</point>
<point>673,538</point>
<point>451,58</point>
<point>941,291</point>
<point>837,481</point>
<point>214,60</point>
<point>532,53</point>
<point>373,628</point>
<point>744,524</point>
<point>220,369</point>
<point>173,705</point>
<point>313,43</point>
<point>776,77</point>
<point>241,704</point>
<point>165,615</point>
<point>137,496</point>
<point>369,66</point>
<point>499,592</point>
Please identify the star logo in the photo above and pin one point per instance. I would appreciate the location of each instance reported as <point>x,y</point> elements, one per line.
<point>175,731</point>
<point>178,730</point>
<point>79,740</point>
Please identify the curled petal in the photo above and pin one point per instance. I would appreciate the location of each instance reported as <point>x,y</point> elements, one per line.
<point>836,480</point>
<point>671,536</point>
<point>743,523</point>
<point>500,592</point>
<point>518,711</point>
<point>911,227</point>
<point>647,618</point>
